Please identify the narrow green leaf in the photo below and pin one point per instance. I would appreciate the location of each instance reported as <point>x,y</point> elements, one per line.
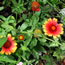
<point>7,27</point>
<point>26,43</point>
<point>6,59</point>
<point>1,8</point>
<point>24,26</point>
<point>3,18</point>
<point>33,43</point>
<point>62,46</point>
<point>35,54</point>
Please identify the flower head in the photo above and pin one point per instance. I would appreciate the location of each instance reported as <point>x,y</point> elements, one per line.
<point>9,46</point>
<point>20,37</point>
<point>20,63</point>
<point>35,6</point>
<point>52,28</point>
<point>37,32</point>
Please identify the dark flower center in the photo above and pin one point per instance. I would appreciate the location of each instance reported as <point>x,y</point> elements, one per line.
<point>53,28</point>
<point>7,44</point>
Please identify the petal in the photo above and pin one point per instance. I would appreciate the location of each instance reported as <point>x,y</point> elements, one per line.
<point>54,37</point>
<point>9,35</point>
<point>43,26</point>
<point>37,9</point>
<point>61,24</point>
<point>14,49</point>
<point>33,9</point>
<point>2,51</point>
<point>58,35</point>
<point>49,19</point>
<point>54,19</point>
<point>15,44</point>
<point>13,38</point>
<point>6,53</point>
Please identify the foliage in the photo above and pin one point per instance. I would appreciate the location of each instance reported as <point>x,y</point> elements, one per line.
<point>23,21</point>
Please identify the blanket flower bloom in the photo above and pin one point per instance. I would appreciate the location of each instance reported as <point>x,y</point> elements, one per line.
<point>20,37</point>
<point>9,46</point>
<point>52,28</point>
<point>35,6</point>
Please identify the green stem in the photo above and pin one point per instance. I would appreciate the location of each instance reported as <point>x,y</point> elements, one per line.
<point>41,35</point>
<point>49,39</point>
<point>34,33</point>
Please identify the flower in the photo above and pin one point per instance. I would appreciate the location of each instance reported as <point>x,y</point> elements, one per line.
<point>35,6</point>
<point>37,33</point>
<point>52,28</point>
<point>9,46</point>
<point>20,63</point>
<point>20,37</point>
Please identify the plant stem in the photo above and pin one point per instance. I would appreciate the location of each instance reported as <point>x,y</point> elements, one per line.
<point>49,39</point>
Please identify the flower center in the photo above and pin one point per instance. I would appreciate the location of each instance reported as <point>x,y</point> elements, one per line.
<point>21,37</point>
<point>7,44</point>
<point>53,27</point>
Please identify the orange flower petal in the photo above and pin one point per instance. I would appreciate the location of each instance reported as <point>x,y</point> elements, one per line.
<point>35,6</point>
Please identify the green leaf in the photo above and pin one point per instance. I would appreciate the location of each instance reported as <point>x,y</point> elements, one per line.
<point>62,46</point>
<point>7,27</point>
<point>54,43</point>
<point>24,16</point>
<point>43,40</point>
<point>6,59</point>
<point>3,18</point>
<point>11,19</point>
<point>24,26</point>
<point>48,58</point>
<point>46,9</point>
<point>63,19</point>
<point>55,2</point>
<point>45,1</point>
<point>33,43</point>
<point>24,63</point>
<point>3,33</point>
<point>57,53</point>
<point>11,64</point>
<point>26,43</point>
<point>35,54</point>
<point>1,8</point>
<point>41,49</point>
<point>2,41</point>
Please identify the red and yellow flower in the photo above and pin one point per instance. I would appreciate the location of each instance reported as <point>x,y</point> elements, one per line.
<point>35,6</point>
<point>20,37</point>
<point>52,28</point>
<point>9,46</point>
